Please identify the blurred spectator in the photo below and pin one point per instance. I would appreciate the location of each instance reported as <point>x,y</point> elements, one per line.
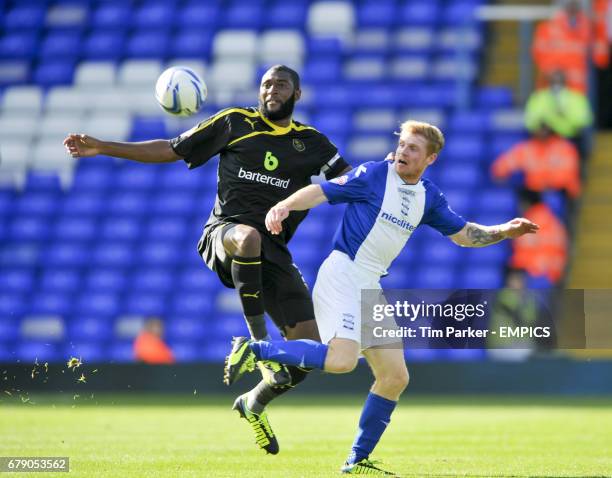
<point>149,346</point>
<point>566,111</point>
<point>603,15</point>
<point>541,255</point>
<point>565,41</point>
<point>546,160</point>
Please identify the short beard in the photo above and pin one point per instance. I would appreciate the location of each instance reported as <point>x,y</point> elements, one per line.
<point>285,110</point>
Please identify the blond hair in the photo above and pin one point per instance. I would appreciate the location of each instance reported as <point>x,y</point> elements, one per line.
<point>434,137</point>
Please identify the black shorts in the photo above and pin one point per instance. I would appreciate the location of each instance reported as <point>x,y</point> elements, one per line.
<point>286,296</point>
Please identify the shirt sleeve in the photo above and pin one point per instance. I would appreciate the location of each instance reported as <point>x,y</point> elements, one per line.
<point>204,140</point>
<point>354,186</point>
<point>440,215</point>
<point>334,163</point>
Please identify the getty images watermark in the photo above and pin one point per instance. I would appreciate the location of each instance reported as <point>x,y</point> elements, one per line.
<point>485,319</point>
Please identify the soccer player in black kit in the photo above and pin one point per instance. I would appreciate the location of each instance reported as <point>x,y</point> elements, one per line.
<point>265,156</point>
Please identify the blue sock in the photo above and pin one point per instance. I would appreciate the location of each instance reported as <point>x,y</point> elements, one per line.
<point>375,417</point>
<point>301,353</point>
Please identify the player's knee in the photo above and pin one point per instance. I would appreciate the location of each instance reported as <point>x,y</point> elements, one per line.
<point>246,240</point>
<point>341,364</point>
<point>394,382</point>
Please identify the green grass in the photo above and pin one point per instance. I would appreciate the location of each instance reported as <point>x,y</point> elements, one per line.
<point>140,436</point>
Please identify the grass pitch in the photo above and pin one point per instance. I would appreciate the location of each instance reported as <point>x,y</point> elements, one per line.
<point>197,436</point>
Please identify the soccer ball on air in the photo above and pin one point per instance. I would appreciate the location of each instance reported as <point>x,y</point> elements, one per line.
<point>180,91</point>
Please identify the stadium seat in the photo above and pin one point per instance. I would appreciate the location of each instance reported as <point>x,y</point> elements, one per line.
<point>321,69</point>
<point>495,255</point>
<point>139,73</point>
<point>415,12</point>
<point>67,16</point>
<point>60,280</point>
<point>502,142</point>
<point>22,99</point>
<point>452,67</point>
<point>104,45</point>
<point>374,120</point>
<point>191,305</point>
<point>436,277</point>
<point>16,280</point>
<point>9,329</point>
<point>287,15</point>
<point>14,158</point>
<point>232,75</point>
<point>39,203</point>
<point>112,125</point>
<point>54,72</point>
<point>365,68</point>
<point>154,16</point>
<point>445,253</point>
<point>498,199</point>
<point>144,303</point>
<point>376,14</point>
<point>332,120</point>
<point>462,12</point>
<point>24,254</point>
<point>115,15</point>
<point>469,122</point>
<point>122,351</point>
<point>106,279</point>
<point>126,203</point>
<point>371,40</point>
<point>49,156</point>
<point>159,253</point>
<point>325,46</point>
<point>469,175</point>
<point>185,350</point>
<point>152,280</point>
<point>179,328</point>
<point>14,72</point>
<point>95,74</point>
<point>103,304</point>
<point>413,40</point>
<point>90,352</point>
<point>148,44</point>
<point>482,277</point>
<point>61,44</point>
<point>198,15</point>
<point>507,120</point>
<point>119,228</point>
<point>89,329</point>
<point>332,18</point>
<point>28,228</point>
<point>433,116</point>
<point>198,279</point>
<point>66,102</point>
<point>281,46</point>
<point>174,228</point>
<point>235,44</point>
<point>465,147</point>
<point>24,17</point>
<point>18,45</point>
<point>66,254</point>
<point>29,351</point>
<point>494,97</point>
<point>43,325</point>
<point>409,67</point>
<point>112,254</point>
<point>370,148</point>
<point>191,44</point>
<point>242,15</point>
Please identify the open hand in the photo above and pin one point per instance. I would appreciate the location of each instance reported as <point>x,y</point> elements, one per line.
<point>518,227</point>
<point>81,145</point>
<point>275,217</point>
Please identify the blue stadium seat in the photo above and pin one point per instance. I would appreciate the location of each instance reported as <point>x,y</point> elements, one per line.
<point>444,253</point>
<point>321,69</point>
<point>469,122</point>
<point>154,280</point>
<point>482,277</point>
<point>83,203</point>
<point>498,199</point>
<point>286,15</point>
<point>158,253</point>
<point>18,45</point>
<point>198,15</point>
<point>465,147</point>
<point>227,325</point>
<point>416,12</point>
<point>436,277</point>
<point>430,95</point>
<point>148,128</point>
<point>191,44</point>
<point>9,329</point>
<point>104,45</point>
<point>496,255</point>
<point>119,228</point>
<point>95,303</point>
<point>214,351</point>
<point>191,305</point>
<point>12,304</point>
<point>51,303</point>
<point>54,72</point>
<point>75,229</point>
<point>89,352</point>
<point>24,17</point>
<point>144,303</point>
<point>460,12</point>
<point>376,14</point>
<point>399,278</point>
<point>132,178</point>
<point>121,351</point>
<point>26,228</point>
<point>36,203</point>
<point>16,280</point>
<point>113,254</point>
<point>105,279</point>
<point>198,279</point>
<point>166,227</point>
<point>89,329</point>
<point>243,15</point>
<point>324,46</point>
<point>177,203</point>
<point>503,142</point>
<point>194,328</point>
<point>60,280</point>
<point>28,352</point>
<point>43,183</point>
<point>494,97</point>
<point>127,203</point>
<point>468,175</point>
<point>331,121</point>
<point>154,16</point>
<point>460,200</point>
<point>93,177</point>
<point>26,254</point>
<point>67,254</point>
<point>115,15</point>
<point>148,44</point>
<point>61,44</point>
<point>185,350</point>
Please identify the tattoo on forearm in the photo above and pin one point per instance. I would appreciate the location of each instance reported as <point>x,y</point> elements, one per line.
<point>480,237</point>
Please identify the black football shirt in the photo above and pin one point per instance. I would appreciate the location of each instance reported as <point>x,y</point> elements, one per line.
<point>260,164</point>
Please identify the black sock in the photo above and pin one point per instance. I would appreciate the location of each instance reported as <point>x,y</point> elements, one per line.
<point>262,394</point>
<point>246,274</point>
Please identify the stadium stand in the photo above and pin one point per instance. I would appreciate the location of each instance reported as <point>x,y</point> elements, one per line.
<point>110,242</point>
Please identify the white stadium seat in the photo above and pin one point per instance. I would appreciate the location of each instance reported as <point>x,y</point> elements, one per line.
<point>376,119</point>
<point>409,67</point>
<point>235,44</point>
<point>281,46</point>
<point>95,74</point>
<point>22,98</point>
<point>414,38</point>
<point>365,148</point>
<point>55,126</point>
<point>14,158</point>
<point>50,156</point>
<point>114,126</point>
<point>431,116</point>
<point>18,126</point>
<point>331,19</point>
<point>67,98</point>
<point>365,69</point>
<point>139,73</point>
<point>231,75</point>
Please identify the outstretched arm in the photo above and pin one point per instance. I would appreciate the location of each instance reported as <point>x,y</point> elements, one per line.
<point>155,151</point>
<point>305,198</point>
<point>476,235</point>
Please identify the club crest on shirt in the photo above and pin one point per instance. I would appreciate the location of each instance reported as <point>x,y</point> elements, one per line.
<point>298,145</point>
<point>340,181</point>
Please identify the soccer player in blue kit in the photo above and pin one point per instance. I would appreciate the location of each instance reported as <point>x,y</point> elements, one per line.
<point>387,200</point>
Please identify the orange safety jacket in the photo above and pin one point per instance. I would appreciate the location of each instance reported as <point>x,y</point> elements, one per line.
<point>149,348</point>
<point>545,252</point>
<point>547,163</point>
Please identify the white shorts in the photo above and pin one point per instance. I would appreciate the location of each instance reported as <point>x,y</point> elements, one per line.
<point>337,297</point>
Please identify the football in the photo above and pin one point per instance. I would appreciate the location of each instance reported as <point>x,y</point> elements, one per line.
<point>180,91</point>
